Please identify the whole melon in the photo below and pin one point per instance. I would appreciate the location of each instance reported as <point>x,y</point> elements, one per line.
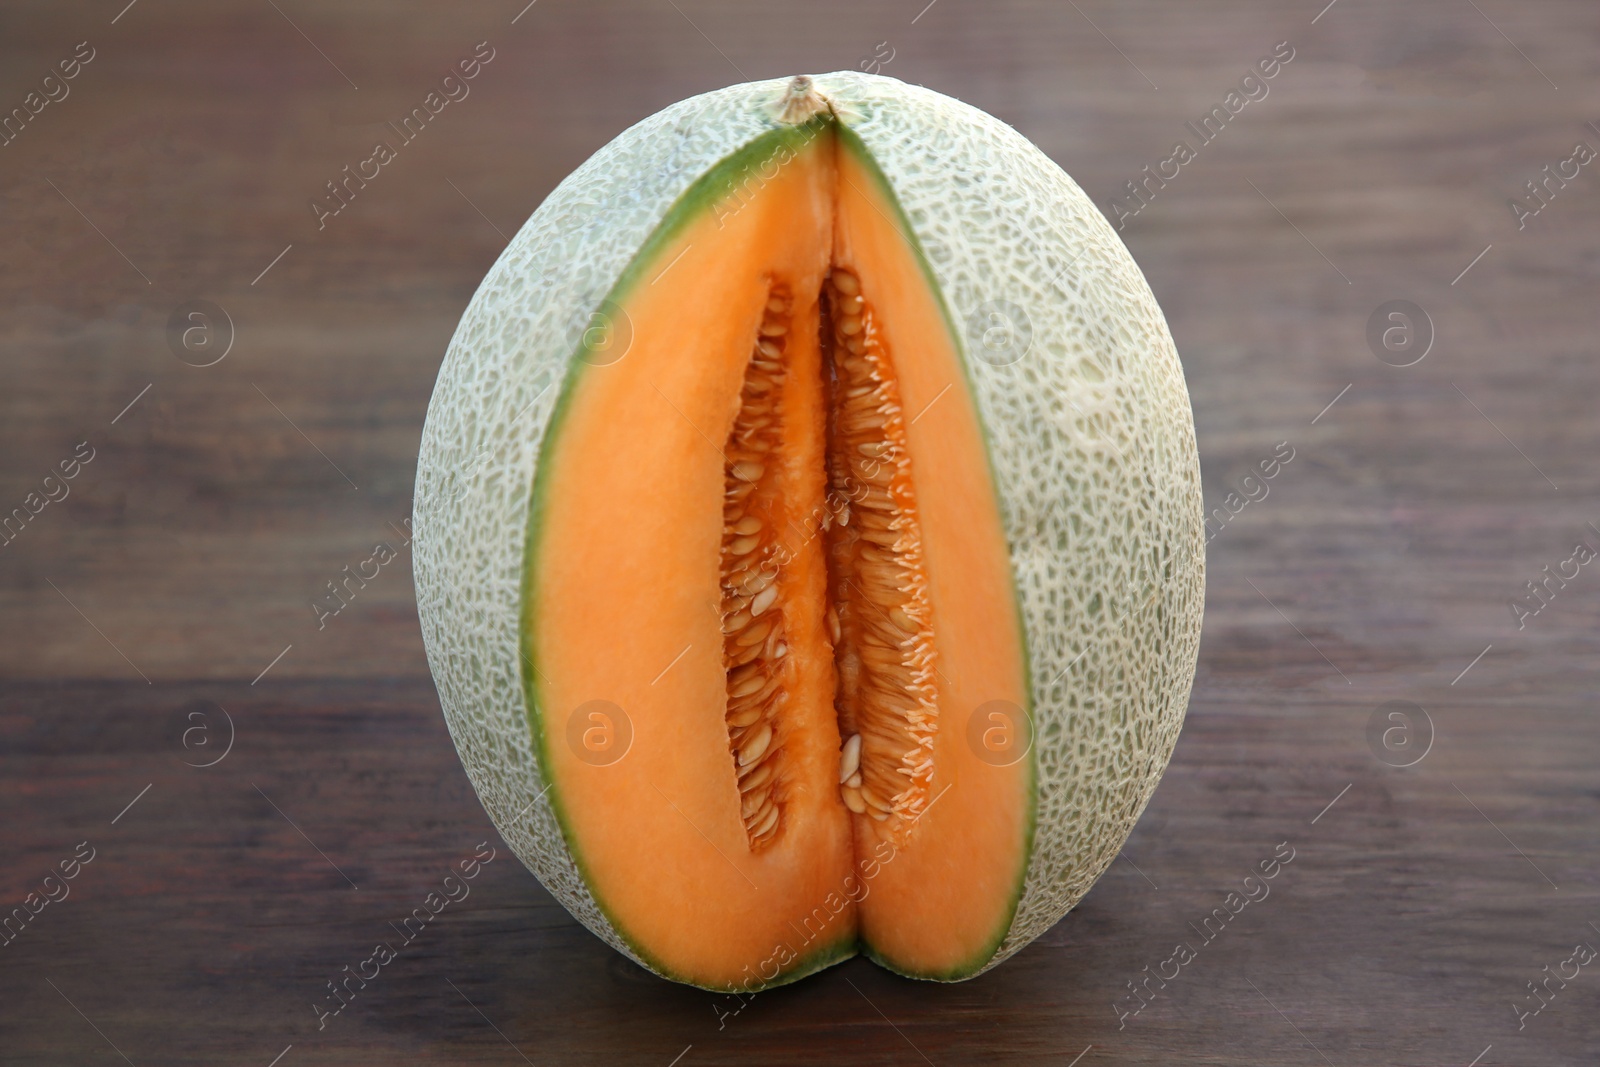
<point>808,537</point>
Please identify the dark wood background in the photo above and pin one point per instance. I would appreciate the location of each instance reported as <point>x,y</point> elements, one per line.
<point>145,606</point>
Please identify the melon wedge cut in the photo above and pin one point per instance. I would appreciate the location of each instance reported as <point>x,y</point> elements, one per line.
<point>808,538</point>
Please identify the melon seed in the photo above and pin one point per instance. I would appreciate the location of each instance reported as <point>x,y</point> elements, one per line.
<point>759,777</point>
<point>852,799</point>
<point>755,745</point>
<point>767,823</point>
<point>748,717</point>
<point>755,633</point>
<point>850,757</point>
<point>753,802</point>
<point>752,684</point>
<point>750,586</point>
<point>874,800</point>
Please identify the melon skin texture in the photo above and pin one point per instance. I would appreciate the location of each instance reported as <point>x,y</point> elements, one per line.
<point>1090,436</point>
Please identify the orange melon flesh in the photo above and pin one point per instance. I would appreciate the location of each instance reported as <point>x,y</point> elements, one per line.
<point>628,595</point>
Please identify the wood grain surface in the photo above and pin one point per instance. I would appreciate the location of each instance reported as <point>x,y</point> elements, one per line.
<point>161,612</point>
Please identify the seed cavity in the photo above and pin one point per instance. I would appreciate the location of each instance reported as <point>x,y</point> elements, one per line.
<point>876,616</point>
<point>753,623</point>
<point>879,616</point>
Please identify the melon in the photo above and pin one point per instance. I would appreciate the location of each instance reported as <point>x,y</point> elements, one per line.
<point>808,537</point>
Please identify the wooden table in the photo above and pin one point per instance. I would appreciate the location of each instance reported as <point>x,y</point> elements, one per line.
<point>163,607</point>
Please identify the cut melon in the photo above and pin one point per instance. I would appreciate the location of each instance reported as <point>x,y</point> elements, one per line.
<point>808,537</point>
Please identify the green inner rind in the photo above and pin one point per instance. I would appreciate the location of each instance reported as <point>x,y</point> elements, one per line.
<point>858,149</point>
<point>702,195</point>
